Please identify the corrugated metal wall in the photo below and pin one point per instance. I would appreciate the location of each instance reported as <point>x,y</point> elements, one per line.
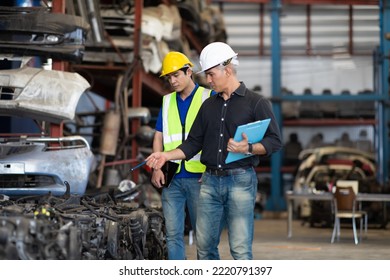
<point>316,29</point>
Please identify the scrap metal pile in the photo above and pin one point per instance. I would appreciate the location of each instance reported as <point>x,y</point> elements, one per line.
<point>72,227</point>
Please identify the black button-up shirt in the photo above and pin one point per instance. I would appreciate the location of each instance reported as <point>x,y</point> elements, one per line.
<point>217,121</point>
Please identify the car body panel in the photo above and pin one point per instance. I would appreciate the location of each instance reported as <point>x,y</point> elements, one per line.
<point>311,157</point>
<point>41,94</point>
<point>37,166</point>
<point>320,151</point>
<point>38,32</point>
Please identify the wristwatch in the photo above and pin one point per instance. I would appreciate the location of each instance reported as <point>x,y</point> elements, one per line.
<point>250,149</point>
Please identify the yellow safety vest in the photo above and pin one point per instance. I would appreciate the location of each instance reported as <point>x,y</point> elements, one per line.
<point>173,134</point>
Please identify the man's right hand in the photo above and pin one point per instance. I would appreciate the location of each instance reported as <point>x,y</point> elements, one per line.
<point>156,160</point>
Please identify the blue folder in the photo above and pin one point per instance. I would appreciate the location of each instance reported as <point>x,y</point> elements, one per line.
<point>254,131</point>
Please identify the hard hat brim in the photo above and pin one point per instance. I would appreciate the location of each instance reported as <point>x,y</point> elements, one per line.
<point>190,65</point>
<point>203,70</point>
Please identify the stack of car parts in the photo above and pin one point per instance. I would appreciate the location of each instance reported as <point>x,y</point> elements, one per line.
<point>318,172</point>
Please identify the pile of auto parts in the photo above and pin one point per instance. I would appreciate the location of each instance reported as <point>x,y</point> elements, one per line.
<point>89,227</point>
<point>318,172</point>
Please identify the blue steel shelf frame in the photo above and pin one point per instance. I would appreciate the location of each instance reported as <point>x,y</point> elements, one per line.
<point>276,201</point>
<point>382,87</point>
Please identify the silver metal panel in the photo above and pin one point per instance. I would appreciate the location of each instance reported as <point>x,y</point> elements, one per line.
<point>64,159</point>
<point>43,94</point>
<point>11,168</point>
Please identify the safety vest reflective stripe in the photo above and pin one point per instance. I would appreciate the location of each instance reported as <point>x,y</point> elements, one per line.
<point>173,138</point>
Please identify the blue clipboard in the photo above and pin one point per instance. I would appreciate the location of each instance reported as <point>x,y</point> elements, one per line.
<point>255,132</point>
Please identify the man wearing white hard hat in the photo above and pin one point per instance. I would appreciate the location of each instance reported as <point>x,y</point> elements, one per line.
<point>228,190</point>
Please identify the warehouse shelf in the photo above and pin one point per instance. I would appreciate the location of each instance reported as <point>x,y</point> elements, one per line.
<point>330,122</point>
<point>379,97</point>
<point>284,169</point>
<point>331,97</point>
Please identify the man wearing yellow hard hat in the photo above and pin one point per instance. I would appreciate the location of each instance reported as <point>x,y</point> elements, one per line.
<point>174,122</point>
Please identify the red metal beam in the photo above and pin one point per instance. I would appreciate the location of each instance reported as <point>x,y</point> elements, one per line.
<point>193,40</point>
<point>261,51</point>
<point>308,30</point>
<point>329,122</point>
<point>350,33</point>
<point>137,79</point>
<point>58,6</point>
<point>154,83</point>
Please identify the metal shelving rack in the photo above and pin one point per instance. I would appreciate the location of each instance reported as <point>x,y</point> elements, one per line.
<point>276,201</point>
<point>380,96</point>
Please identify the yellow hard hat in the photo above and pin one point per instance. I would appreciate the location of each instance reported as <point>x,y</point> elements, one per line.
<point>174,61</point>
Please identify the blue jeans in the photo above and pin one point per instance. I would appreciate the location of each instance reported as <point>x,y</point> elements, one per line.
<point>226,200</point>
<point>181,192</point>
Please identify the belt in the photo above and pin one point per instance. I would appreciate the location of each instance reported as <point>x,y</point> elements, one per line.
<point>225,172</point>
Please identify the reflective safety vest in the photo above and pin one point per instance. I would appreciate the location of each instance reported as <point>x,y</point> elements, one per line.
<point>173,132</point>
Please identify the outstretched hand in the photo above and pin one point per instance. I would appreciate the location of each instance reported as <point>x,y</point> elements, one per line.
<point>156,160</point>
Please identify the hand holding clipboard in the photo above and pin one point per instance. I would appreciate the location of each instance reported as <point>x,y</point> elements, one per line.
<point>255,132</point>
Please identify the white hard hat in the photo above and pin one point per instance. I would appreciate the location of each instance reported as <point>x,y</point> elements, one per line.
<point>215,54</point>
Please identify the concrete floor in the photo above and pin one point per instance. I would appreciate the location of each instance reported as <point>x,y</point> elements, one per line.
<point>271,243</point>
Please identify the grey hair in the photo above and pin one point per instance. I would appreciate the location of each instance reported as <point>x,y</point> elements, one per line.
<point>231,66</point>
